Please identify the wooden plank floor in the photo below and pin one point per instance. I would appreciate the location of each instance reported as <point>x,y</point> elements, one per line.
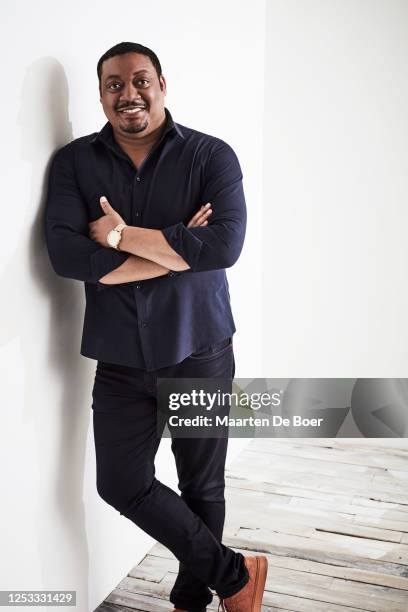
<point>330,515</point>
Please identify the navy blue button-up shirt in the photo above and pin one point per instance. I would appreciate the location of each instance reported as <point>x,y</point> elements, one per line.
<point>157,322</point>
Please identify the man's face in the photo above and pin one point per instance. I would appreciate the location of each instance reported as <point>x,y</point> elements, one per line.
<point>132,94</point>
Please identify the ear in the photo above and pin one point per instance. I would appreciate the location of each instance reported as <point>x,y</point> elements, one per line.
<point>163,85</point>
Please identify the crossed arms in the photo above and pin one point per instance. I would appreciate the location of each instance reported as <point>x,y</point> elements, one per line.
<point>150,253</point>
<point>77,251</point>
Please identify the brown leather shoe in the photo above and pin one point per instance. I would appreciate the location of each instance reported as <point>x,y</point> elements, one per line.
<point>249,598</point>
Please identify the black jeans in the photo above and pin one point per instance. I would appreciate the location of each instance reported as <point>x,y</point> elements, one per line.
<point>126,442</point>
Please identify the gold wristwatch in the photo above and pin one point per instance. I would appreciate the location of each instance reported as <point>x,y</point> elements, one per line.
<point>114,236</point>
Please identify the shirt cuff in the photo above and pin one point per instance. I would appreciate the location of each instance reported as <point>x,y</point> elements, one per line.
<point>184,242</point>
<point>104,261</point>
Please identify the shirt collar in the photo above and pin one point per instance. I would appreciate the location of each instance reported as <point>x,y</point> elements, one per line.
<point>106,133</point>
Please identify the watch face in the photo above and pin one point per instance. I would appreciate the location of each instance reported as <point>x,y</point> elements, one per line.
<point>112,238</point>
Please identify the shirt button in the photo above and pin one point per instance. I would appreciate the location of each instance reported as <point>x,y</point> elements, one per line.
<point>137,213</point>
<point>138,286</point>
<point>144,324</point>
<point>138,179</point>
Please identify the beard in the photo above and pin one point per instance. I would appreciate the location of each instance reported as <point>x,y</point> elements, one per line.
<point>133,128</point>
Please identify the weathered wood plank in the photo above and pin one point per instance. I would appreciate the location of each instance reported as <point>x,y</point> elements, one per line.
<point>316,465</point>
<point>318,482</point>
<point>383,516</point>
<point>360,548</point>
<point>313,567</point>
<point>360,457</point>
<point>332,596</point>
<point>300,604</point>
<point>374,501</point>
<point>254,510</point>
<point>393,447</point>
<point>303,548</point>
<point>294,485</point>
<point>154,569</point>
<point>139,601</point>
<point>107,607</point>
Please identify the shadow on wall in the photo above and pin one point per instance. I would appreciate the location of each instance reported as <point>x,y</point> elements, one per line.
<point>56,379</point>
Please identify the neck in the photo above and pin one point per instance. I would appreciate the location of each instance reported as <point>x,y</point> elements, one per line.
<point>140,140</point>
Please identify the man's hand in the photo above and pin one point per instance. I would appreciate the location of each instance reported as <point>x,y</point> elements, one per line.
<point>200,219</point>
<point>99,229</point>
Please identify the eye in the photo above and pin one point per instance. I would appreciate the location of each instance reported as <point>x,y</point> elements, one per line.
<point>142,82</point>
<point>114,86</point>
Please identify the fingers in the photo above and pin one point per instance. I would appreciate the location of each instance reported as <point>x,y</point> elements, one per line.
<point>200,219</point>
<point>106,207</point>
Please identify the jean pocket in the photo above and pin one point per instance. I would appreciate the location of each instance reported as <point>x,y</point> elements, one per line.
<point>214,350</point>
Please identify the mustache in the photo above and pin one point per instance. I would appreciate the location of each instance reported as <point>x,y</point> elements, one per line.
<point>130,106</point>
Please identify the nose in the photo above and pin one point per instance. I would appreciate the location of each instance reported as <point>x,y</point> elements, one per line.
<point>129,92</point>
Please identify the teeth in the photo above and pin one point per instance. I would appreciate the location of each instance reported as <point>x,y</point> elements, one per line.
<point>131,110</point>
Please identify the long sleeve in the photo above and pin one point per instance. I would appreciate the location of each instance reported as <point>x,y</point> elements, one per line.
<point>219,244</point>
<point>72,253</point>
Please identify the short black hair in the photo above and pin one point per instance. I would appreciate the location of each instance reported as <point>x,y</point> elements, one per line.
<point>129,47</point>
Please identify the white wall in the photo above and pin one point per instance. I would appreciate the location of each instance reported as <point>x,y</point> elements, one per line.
<point>55,532</point>
<point>335,189</point>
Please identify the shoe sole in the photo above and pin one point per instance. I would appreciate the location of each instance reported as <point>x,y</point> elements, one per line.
<point>260,579</point>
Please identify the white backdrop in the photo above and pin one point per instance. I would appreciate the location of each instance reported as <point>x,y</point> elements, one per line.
<point>55,532</point>
<point>335,212</point>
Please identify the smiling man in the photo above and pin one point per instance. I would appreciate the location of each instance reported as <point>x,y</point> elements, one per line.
<point>149,213</point>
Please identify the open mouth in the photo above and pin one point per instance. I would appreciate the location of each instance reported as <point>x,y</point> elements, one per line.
<point>132,110</point>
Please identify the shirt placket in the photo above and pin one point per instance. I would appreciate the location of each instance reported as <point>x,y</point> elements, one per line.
<point>140,187</point>
<point>139,197</point>
<point>139,191</point>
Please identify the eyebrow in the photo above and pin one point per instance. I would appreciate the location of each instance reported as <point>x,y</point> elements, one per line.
<point>117,76</point>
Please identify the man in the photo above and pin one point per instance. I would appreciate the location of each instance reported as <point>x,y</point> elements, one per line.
<point>149,213</point>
